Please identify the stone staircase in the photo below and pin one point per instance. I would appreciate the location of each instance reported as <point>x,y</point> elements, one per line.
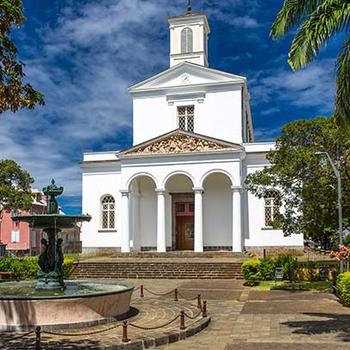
<point>184,265</point>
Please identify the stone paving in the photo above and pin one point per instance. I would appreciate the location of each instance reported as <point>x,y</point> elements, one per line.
<point>241,319</point>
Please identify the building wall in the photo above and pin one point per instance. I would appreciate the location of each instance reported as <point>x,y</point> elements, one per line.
<point>256,233</point>
<point>29,239</point>
<point>218,115</point>
<point>98,182</point>
<point>216,173</point>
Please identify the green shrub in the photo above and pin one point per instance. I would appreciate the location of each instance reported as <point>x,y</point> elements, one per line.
<point>267,269</point>
<point>27,268</point>
<point>67,267</point>
<point>343,284</point>
<point>308,271</point>
<point>251,271</point>
<point>289,264</point>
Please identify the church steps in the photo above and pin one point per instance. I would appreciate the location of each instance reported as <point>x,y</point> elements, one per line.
<point>152,270</point>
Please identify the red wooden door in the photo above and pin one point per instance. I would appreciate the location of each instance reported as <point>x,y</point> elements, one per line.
<point>184,226</point>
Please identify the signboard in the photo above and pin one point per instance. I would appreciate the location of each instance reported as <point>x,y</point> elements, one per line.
<point>279,273</point>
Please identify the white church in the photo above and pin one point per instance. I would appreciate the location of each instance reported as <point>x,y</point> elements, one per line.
<point>181,185</point>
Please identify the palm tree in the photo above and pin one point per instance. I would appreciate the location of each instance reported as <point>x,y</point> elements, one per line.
<point>317,21</point>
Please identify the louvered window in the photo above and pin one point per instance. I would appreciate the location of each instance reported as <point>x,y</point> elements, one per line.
<point>272,207</point>
<point>186,40</point>
<point>185,115</point>
<point>108,213</point>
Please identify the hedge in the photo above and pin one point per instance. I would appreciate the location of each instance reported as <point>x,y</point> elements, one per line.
<point>255,270</point>
<point>343,284</point>
<point>27,268</point>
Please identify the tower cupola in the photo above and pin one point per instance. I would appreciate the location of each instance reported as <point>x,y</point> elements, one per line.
<point>189,36</point>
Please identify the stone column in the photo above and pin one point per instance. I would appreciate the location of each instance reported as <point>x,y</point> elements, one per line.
<point>125,218</point>
<point>136,221</point>
<point>237,240</point>
<point>161,238</point>
<point>198,220</point>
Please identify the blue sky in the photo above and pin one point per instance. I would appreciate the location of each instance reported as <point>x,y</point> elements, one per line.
<point>83,54</point>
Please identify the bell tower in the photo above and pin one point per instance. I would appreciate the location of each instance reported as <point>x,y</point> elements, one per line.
<point>189,34</point>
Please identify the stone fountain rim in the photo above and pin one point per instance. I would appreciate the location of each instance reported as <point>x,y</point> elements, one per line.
<point>128,287</point>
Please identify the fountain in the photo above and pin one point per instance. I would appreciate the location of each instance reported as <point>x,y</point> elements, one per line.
<point>50,301</point>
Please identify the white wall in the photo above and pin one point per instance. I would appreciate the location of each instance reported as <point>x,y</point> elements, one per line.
<point>258,235</point>
<point>96,184</point>
<point>217,211</point>
<point>218,115</point>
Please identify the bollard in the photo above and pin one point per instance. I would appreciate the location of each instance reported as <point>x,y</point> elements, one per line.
<point>199,304</point>
<point>175,295</point>
<point>38,338</point>
<point>141,291</point>
<point>125,332</point>
<point>182,321</point>
<point>204,311</point>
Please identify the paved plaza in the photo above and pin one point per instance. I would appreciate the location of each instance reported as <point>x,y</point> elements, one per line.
<point>241,319</point>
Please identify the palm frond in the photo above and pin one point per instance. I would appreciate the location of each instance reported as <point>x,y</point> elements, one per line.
<point>342,99</point>
<point>290,15</point>
<point>331,17</point>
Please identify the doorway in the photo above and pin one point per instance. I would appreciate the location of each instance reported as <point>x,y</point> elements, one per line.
<point>184,223</point>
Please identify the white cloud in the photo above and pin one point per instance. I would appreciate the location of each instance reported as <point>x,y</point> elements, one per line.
<point>84,64</point>
<point>313,86</point>
<point>269,111</point>
<point>266,134</point>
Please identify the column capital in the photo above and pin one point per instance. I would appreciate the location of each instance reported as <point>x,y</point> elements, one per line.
<point>160,191</point>
<point>236,189</point>
<point>125,193</point>
<point>198,190</point>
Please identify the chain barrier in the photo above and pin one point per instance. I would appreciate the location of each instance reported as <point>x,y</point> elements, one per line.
<point>182,316</point>
<point>193,317</point>
<point>153,328</point>
<point>188,299</point>
<point>82,334</point>
<point>158,294</point>
<point>176,292</point>
<point>21,336</point>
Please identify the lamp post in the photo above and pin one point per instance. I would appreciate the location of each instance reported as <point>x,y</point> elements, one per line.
<point>340,208</point>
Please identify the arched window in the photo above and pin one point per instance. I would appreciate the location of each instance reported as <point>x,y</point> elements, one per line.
<point>272,206</point>
<point>186,40</point>
<point>108,213</point>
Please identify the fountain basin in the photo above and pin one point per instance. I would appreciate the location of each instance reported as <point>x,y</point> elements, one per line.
<point>81,304</point>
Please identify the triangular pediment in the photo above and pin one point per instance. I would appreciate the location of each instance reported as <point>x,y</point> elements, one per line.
<point>180,142</point>
<point>186,74</point>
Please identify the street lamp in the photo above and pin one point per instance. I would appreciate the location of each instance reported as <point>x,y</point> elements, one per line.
<point>340,208</point>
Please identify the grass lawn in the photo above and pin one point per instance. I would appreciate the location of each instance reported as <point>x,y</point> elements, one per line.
<point>319,286</point>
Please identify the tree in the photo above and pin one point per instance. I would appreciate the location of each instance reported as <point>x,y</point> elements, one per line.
<point>318,21</point>
<point>15,94</point>
<point>15,187</point>
<point>306,182</point>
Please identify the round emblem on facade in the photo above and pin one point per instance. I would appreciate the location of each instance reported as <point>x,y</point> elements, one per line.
<point>185,79</point>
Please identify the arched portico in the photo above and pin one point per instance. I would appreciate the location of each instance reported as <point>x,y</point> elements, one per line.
<point>182,212</point>
<point>180,226</point>
<point>140,213</point>
<point>217,211</point>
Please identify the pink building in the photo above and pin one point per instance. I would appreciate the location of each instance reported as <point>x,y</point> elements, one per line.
<point>19,238</point>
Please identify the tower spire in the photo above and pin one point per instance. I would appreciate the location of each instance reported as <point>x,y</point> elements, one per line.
<point>189,7</point>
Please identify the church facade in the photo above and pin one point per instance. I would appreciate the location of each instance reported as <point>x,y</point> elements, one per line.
<point>181,185</point>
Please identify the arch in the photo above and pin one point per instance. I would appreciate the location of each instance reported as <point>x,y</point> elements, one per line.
<point>187,40</point>
<point>145,174</point>
<point>178,172</point>
<point>215,171</point>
